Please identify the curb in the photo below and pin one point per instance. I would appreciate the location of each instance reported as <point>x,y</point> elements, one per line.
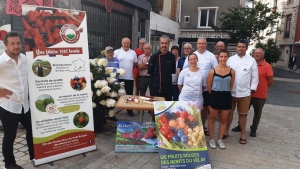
<point>287,69</point>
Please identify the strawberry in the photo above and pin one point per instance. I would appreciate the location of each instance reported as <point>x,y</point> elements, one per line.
<point>178,114</point>
<point>80,119</point>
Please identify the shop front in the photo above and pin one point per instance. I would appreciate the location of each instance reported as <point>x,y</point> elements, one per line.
<point>212,38</point>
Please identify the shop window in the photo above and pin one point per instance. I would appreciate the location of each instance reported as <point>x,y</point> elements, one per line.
<point>186,19</point>
<point>287,26</point>
<point>207,16</point>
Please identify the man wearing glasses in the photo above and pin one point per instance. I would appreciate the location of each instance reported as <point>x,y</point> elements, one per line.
<point>145,78</point>
<point>187,50</point>
<point>139,51</point>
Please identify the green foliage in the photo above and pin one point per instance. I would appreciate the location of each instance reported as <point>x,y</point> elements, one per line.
<point>247,23</point>
<point>272,51</point>
<point>42,104</point>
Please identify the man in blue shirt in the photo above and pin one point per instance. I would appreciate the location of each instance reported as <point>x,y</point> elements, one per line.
<point>187,50</point>
<point>112,61</point>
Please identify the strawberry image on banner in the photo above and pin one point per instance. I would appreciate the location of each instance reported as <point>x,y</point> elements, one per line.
<point>14,6</point>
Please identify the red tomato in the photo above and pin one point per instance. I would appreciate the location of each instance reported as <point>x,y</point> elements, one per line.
<point>80,119</point>
<point>178,114</point>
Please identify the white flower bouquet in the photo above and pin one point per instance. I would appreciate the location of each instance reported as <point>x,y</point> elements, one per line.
<point>105,88</point>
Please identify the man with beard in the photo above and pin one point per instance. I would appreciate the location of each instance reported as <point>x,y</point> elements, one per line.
<point>14,102</point>
<point>161,67</point>
<point>245,85</point>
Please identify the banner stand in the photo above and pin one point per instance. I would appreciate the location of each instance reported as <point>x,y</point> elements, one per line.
<point>51,159</point>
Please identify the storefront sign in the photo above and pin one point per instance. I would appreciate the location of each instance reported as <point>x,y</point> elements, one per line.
<point>59,82</point>
<point>180,135</point>
<point>219,35</point>
<point>136,137</point>
<point>15,7</point>
<point>109,5</point>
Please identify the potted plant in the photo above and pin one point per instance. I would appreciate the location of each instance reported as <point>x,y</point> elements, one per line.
<point>106,89</point>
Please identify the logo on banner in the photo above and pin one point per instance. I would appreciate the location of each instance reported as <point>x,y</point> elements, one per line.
<point>108,5</point>
<point>70,33</point>
<point>52,109</point>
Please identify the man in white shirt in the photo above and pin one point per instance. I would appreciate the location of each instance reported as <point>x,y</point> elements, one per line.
<point>206,62</point>
<point>246,81</point>
<point>14,102</point>
<point>127,60</point>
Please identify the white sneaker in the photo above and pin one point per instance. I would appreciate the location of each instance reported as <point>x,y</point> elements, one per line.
<point>221,144</point>
<point>212,144</point>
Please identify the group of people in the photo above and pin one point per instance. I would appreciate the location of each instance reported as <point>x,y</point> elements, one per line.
<point>220,83</point>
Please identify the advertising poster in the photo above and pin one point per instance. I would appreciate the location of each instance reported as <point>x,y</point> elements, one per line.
<point>3,30</point>
<point>180,136</point>
<point>59,82</point>
<point>136,137</point>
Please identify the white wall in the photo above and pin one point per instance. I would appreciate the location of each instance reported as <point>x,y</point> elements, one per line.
<point>160,23</point>
<point>284,58</point>
<point>166,12</point>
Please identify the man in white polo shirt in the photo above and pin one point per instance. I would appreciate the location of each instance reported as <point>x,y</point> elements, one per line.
<point>127,60</point>
<point>206,62</point>
<point>14,102</point>
<point>246,81</point>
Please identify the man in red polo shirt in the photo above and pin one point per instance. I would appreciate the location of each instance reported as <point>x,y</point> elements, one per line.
<point>258,98</point>
<point>139,51</point>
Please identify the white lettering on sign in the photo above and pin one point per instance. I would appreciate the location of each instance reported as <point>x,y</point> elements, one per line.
<point>205,35</point>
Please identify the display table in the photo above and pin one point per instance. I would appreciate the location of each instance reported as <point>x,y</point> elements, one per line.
<point>141,105</point>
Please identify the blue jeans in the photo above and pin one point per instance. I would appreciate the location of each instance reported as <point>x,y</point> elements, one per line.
<point>175,92</point>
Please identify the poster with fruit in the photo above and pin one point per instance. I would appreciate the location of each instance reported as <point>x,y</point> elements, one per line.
<point>3,30</point>
<point>136,137</point>
<point>180,135</point>
<point>59,75</point>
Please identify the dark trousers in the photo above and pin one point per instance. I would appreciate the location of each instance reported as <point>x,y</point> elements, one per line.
<point>292,66</point>
<point>175,92</point>
<point>129,84</point>
<point>258,105</point>
<point>10,123</point>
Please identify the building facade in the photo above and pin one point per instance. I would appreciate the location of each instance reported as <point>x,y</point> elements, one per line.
<point>164,21</point>
<point>197,17</point>
<point>108,21</point>
<point>288,39</point>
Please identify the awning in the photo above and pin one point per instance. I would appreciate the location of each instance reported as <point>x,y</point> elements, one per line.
<point>159,34</point>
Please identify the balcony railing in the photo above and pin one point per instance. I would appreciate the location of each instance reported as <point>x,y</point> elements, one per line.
<point>287,34</point>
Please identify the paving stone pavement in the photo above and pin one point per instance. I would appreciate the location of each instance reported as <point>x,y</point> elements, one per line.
<point>274,147</point>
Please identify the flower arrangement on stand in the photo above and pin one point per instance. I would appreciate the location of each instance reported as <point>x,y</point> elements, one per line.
<point>106,89</point>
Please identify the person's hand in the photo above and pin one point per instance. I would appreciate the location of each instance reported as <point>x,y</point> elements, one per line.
<point>5,93</point>
<point>145,63</point>
<point>252,91</point>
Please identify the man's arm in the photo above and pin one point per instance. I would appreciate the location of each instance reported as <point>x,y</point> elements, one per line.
<point>151,64</point>
<point>270,76</point>
<point>174,66</point>
<point>5,93</point>
<point>254,76</point>
<point>141,64</point>
<point>178,71</point>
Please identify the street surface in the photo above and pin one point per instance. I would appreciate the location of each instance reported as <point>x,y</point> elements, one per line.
<point>275,147</point>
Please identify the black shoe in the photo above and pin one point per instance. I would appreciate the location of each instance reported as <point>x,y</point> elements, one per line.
<point>130,114</point>
<point>113,118</point>
<point>12,166</point>
<point>236,129</point>
<point>253,133</point>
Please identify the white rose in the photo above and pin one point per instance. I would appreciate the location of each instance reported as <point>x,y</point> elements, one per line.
<point>121,72</point>
<point>110,102</point>
<point>94,105</point>
<point>103,83</point>
<point>98,93</point>
<point>92,77</point>
<point>102,62</point>
<point>105,89</point>
<point>113,94</point>
<point>111,80</point>
<point>113,75</point>
<point>121,91</point>
<point>111,113</point>
<point>97,84</point>
<point>109,70</point>
<point>93,62</point>
<point>102,102</point>
<point>122,84</point>
<point>92,93</point>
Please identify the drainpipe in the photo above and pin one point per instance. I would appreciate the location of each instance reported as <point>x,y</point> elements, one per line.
<point>179,11</point>
<point>295,30</point>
